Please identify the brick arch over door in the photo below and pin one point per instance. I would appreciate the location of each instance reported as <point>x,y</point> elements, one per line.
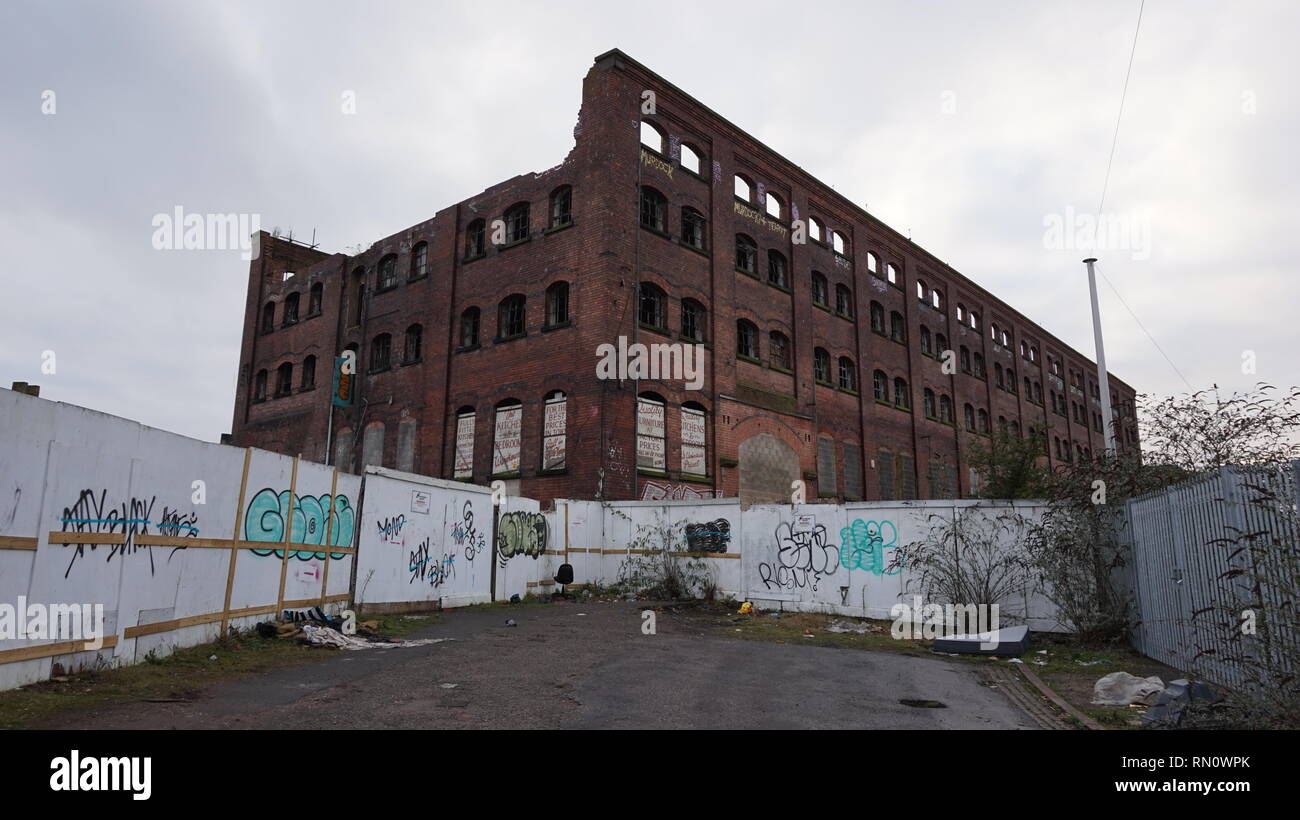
<point>768,466</point>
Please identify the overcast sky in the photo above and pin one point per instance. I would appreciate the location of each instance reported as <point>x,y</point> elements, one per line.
<point>969,126</point>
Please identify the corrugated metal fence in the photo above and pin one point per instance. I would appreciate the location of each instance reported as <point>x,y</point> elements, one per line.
<point>1186,540</point>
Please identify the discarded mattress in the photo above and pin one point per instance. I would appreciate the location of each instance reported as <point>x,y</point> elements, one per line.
<point>1010,640</point>
<point>324,636</point>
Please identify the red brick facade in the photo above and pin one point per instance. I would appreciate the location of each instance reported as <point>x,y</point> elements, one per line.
<point>405,415</point>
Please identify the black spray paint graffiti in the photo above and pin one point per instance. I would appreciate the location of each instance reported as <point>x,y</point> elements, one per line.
<point>433,571</point>
<point>390,530</point>
<point>802,558</point>
<point>466,536</point>
<point>520,533</point>
<point>131,518</point>
<point>713,536</point>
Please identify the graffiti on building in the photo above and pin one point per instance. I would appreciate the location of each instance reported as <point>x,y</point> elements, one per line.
<point>863,545</point>
<point>661,491</point>
<point>712,536</point>
<point>264,521</point>
<point>466,536</point>
<point>91,514</point>
<point>390,530</point>
<point>802,559</point>
<point>521,533</point>
<point>426,568</point>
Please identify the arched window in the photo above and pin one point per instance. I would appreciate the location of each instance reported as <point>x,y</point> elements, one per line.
<point>1002,426</point>
<point>746,255</point>
<point>1015,428</point>
<point>291,309</point>
<point>746,340</point>
<point>652,307</point>
<point>650,432</point>
<point>927,344</point>
<point>259,386</point>
<point>927,399</point>
<point>777,270</point>
<point>463,464</point>
<point>414,338</point>
<point>510,316</point>
<point>816,230</point>
<point>1006,339</point>
<point>695,454</point>
<point>902,396</point>
<point>693,320</point>
<point>891,273</point>
<point>844,301</point>
<point>475,244</point>
<point>773,206</point>
<point>979,366</point>
<point>897,327</point>
<point>997,375</point>
<point>1024,349</point>
<point>936,299</point>
<point>284,379</point>
<point>961,314</point>
<point>1038,392</point>
<point>694,229</point>
<point>507,437</point>
<point>822,366</point>
<point>993,331</point>
<point>654,210</point>
<point>652,137</point>
<point>964,359</point>
<point>381,348</point>
<point>554,425</point>
<point>974,320</point>
<point>690,159</point>
<point>314,299</point>
<point>1029,389</point>
<point>517,223</point>
<point>969,412</point>
<point>940,344</point>
<point>983,421</point>
<point>819,290</point>
<point>268,317</point>
<point>1011,380</point>
<point>839,243</point>
<point>387,272</point>
<point>848,374</point>
<point>921,290</point>
<point>744,189</point>
<point>880,385</point>
<point>561,206</point>
<point>945,408</point>
<point>557,304</point>
<point>778,350</point>
<point>878,318</point>
<point>469,328</point>
<point>873,263</point>
<point>308,373</point>
<point>419,261</point>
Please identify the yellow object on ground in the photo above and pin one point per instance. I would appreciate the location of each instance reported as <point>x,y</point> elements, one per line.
<point>746,609</point>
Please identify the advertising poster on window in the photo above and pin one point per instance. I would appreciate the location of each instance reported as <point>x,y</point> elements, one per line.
<point>693,450</point>
<point>553,435</point>
<point>506,441</point>
<point>650,435</point>
<point>464,447</point>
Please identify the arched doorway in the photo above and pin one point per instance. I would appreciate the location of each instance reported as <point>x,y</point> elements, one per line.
<point>768,466</point>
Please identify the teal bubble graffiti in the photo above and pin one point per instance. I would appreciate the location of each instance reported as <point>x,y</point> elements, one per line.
<point>863,545</point>
<point>266,513</point>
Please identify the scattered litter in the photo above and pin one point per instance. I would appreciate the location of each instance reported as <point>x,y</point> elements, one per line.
<point>1014,660</point>
<point>511,622</point>
<point>1089,663</point>
<point>581,613</point>
<point>1122,689</point>
<point>1176,698</point>
<point>1039,662</point>
<point>212,657</point>
<point>775,614</point>
<point>324,636</point>
<point>849,626</point>
<point>807,633</point>
<point>1042,652</point>
<point>514,599</point>
<point>450,685</point>
<point>746,609</point>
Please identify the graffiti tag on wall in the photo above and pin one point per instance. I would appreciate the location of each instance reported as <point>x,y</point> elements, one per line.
<point>428,569</point>
<point>520,533</point>
<point>264,521</point>
<point>132,517</point>
<point>802,559</point>
<point>466,536</point>
<point>659,491</point>
<point>863,545</point>
<point>713,536</point>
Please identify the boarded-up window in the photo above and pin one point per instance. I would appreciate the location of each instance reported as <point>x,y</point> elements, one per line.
<point>825,467</point>
<point>650,452</point>
<point>372,445</point>
<point>852,471</point>
<point>464,446</point>
<point>505,439</point>
<point>406,445</point>
<point>906,477</point>
<point>886,470</point>
<point>553,437</point>
<point>694,451</point>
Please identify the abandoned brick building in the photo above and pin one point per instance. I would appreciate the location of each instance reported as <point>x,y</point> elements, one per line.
<point>476,333</point>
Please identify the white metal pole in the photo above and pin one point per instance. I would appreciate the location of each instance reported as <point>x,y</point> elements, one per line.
<point>1108,424</point>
